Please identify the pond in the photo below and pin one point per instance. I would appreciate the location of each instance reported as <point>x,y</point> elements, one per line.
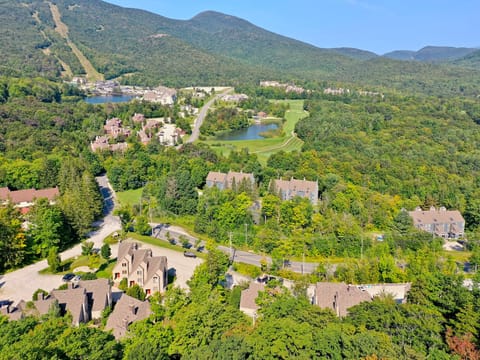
<point>108,99</point>
<point>251,133</point>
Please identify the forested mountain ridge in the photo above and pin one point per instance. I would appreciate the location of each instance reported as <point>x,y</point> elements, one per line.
<point>431,54</point>
<point>145,48</point>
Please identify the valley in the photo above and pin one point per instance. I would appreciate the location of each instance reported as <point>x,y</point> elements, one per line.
<point>208,189</point>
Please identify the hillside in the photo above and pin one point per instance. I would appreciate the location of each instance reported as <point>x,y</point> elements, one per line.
<point>471,60</point>
<point>102,40</point>
<point>431,54</point>
<point>355,53</point>
<point>236,38</point>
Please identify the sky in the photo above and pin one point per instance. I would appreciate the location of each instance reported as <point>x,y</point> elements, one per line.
<point>374,25</point>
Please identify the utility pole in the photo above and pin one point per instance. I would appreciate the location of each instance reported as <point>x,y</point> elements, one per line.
<point>246,242</point>
<point>303,259</point>
<point>361,249</point>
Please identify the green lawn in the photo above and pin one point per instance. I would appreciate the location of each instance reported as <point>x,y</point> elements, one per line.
<point>129,197</point>
<point>266,147</point>
<point>161,243</point>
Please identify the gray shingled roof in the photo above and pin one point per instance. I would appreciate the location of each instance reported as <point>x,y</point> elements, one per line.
<point>98,291</point>
<point>339,296</point>
<point>248,297</point>
<point>71,300</point>
<point>127,310</point>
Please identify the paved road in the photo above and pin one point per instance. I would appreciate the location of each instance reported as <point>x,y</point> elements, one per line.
<point>255,259</point>
<point>202,114</point>
<point>22,283</point>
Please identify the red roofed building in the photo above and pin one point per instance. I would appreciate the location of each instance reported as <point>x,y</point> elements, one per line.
<point>26,198</point>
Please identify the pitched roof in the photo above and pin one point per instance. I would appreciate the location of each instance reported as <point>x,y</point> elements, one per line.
<point>296,185</point>
<point>28,195</point>
<point>98,292</point>
<point>126,248</point>
<point>248,297</point>
<point>127,310</point>
<point>71,300</point>
<point>43,305</point>
<point>238,176</point>
<point>339,296</point>
<point>4,191</point>
<point>20,196</point>
<point>433,215</point>
<point>49,193</point>
<point>216,176</point>
<point>156,263</point>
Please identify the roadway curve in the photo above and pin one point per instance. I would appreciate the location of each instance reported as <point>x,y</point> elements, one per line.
<point>202,114</point>
<point>22,283</point>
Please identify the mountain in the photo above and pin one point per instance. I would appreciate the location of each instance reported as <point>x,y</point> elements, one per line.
<point>100,40</point>
<point>471,60</point>
<point>355,53</point>
<point>431,54</point>
<point>236,38</point>
<point>401,55</point>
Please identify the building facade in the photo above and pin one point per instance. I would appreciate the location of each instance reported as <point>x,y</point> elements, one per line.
<point>288,189</point>
<point>140,267</point>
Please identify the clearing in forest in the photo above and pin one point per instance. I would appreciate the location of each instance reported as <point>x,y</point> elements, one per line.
<point>62,29</point>
<point>263,148</point>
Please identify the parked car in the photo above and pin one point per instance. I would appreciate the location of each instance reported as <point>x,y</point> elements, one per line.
<point>68,277</point>
<point>189,254</point>
<point>77,278</point>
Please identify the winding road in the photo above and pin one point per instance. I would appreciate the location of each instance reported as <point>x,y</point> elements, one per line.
<point>22,283</point>
<point>202,114</point>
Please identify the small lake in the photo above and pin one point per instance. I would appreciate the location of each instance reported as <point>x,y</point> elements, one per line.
<point>251,133</point>
<point>108,99</point>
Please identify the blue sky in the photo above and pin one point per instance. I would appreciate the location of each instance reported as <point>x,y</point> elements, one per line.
<point>378,26</point>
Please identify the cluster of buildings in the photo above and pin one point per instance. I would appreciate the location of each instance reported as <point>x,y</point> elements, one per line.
<point>24,199</point>
<point>338,297</point>
<point>339,91</point>
<point>286,189</point>
<point>161,94</point>
<point>167,134</point>
<point>288,87</point>
<point>235,97</point>
<point>113,129</point>
<point>86,300</point>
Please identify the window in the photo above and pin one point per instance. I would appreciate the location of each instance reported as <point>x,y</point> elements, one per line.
<point>139,272</point>
<point>124,272</point>
<point>124,264</point>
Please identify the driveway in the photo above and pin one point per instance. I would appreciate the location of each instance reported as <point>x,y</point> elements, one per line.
<point>22,283</point>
